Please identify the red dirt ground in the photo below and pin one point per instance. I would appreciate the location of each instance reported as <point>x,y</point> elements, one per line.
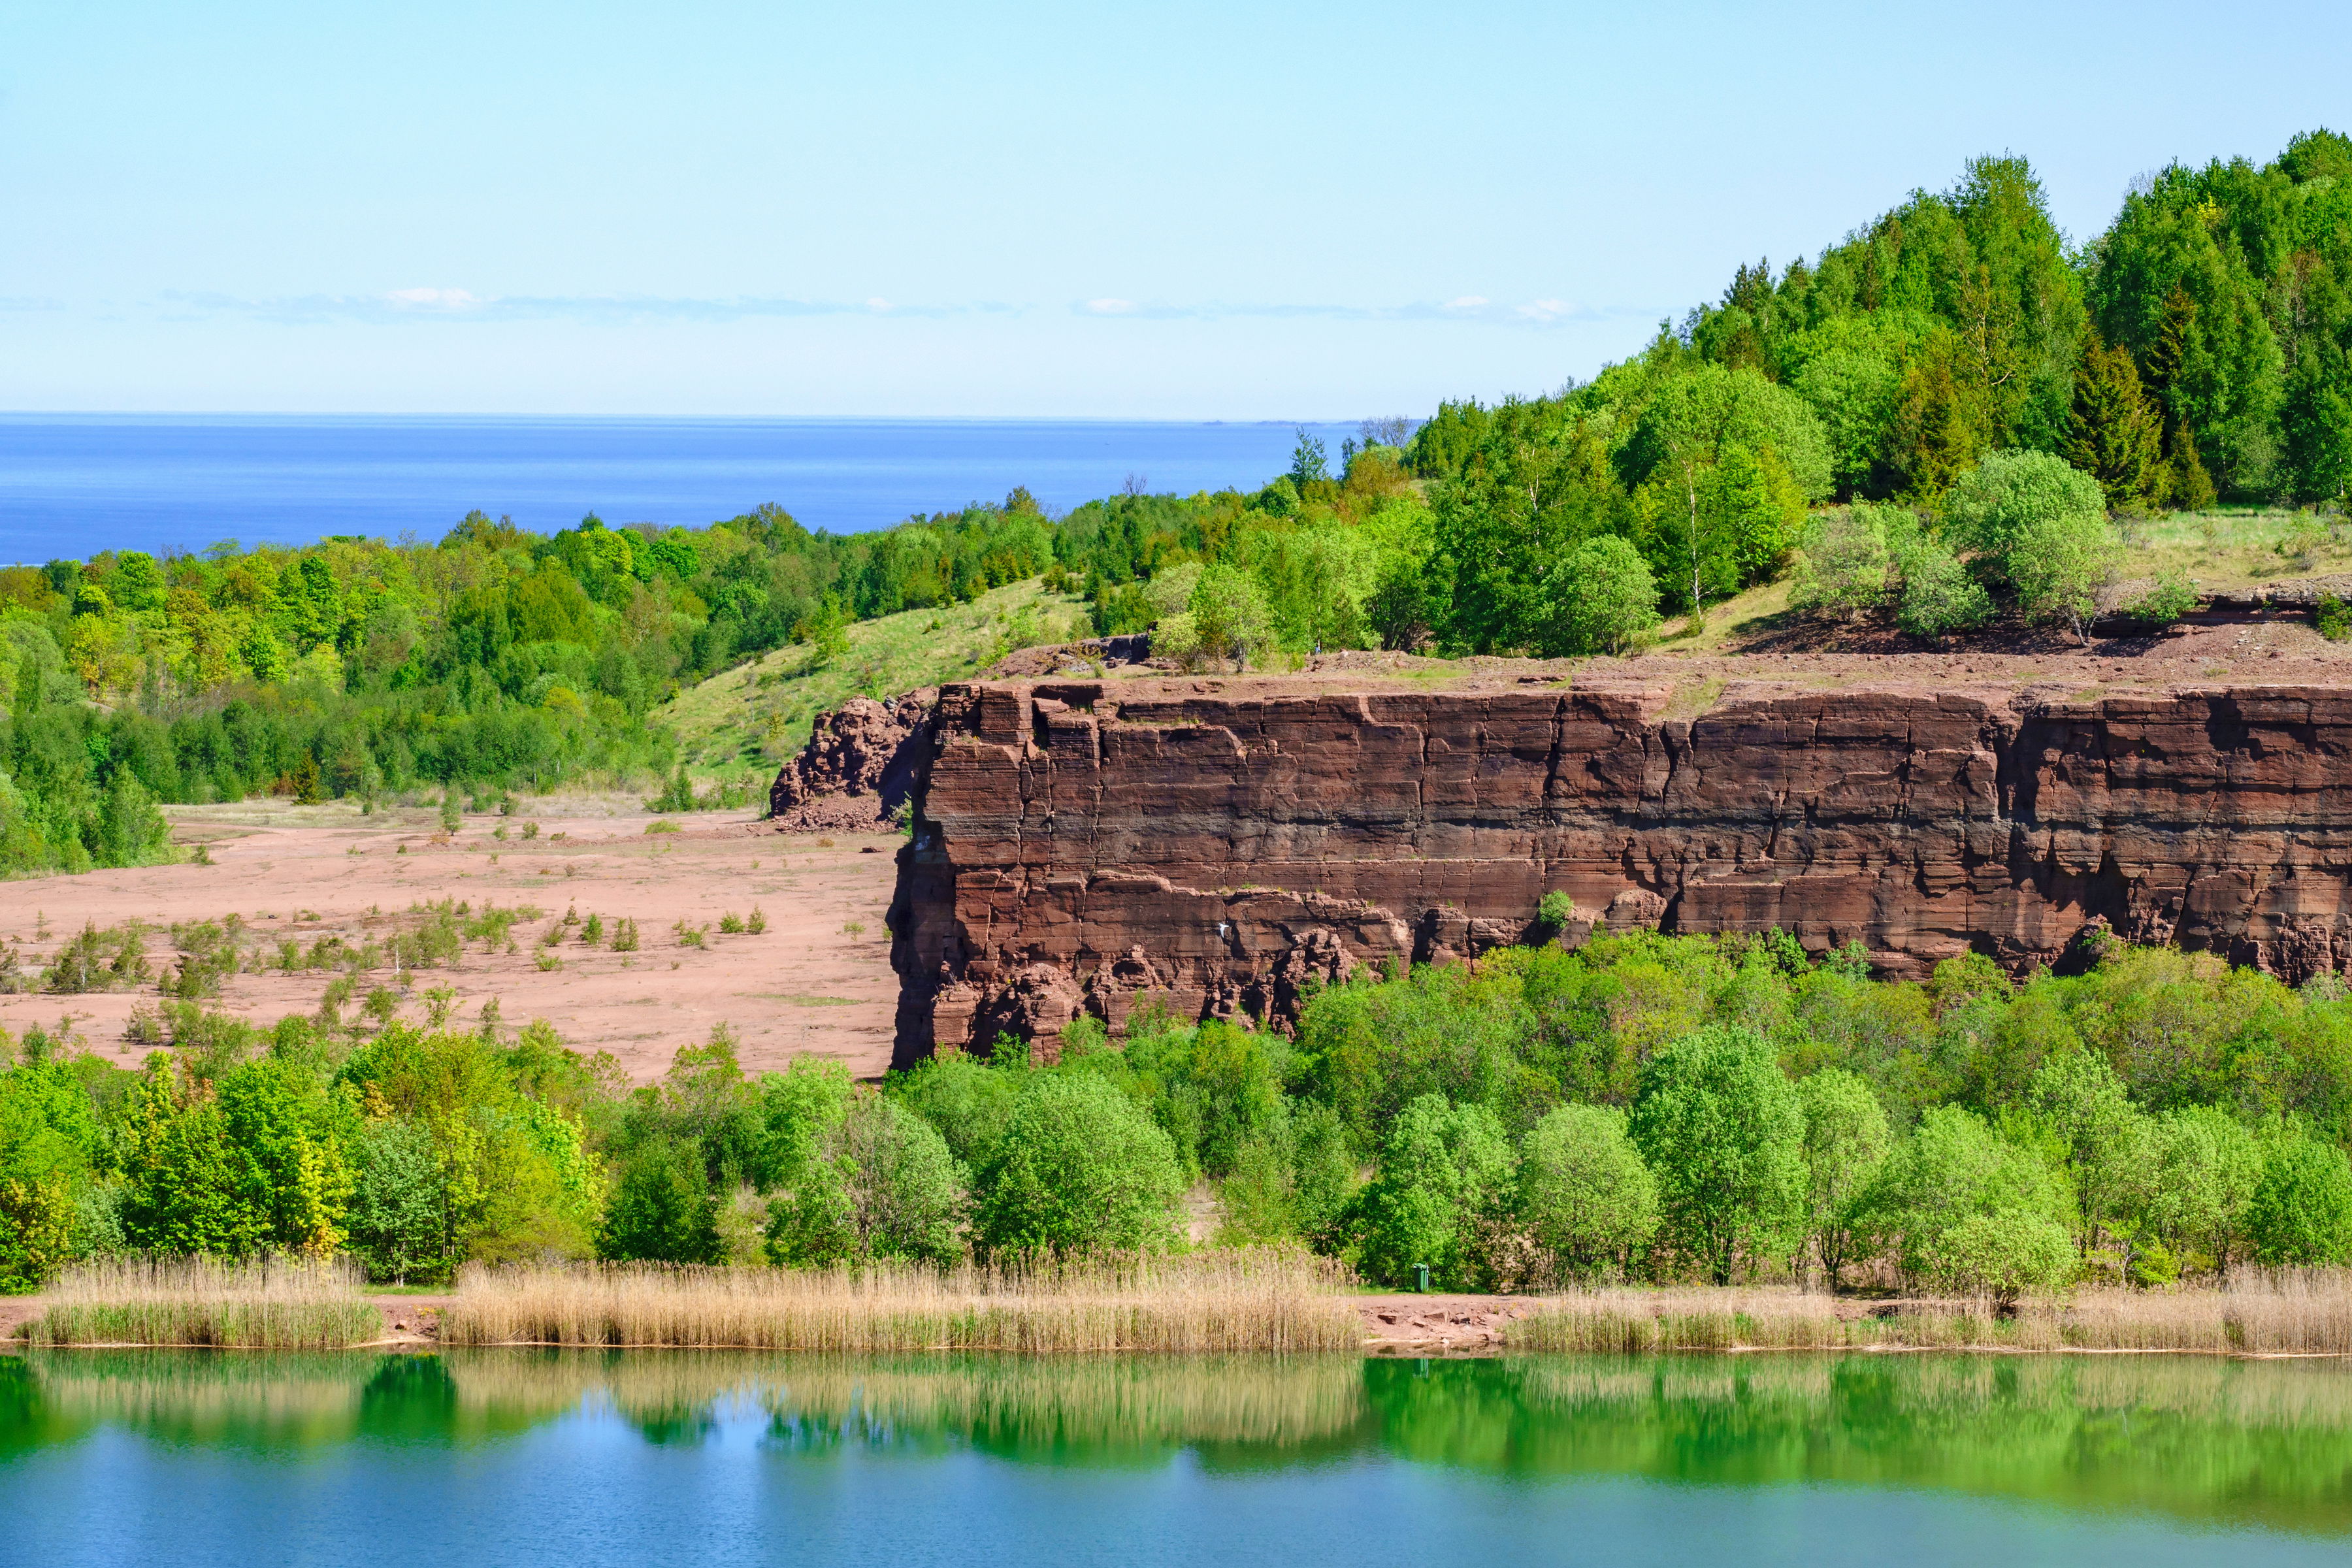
<point>807,985</point>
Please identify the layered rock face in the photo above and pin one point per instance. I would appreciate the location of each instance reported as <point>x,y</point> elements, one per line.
<point>1212,845</point>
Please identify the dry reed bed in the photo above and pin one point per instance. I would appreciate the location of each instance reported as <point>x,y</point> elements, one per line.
<point>198,1301</point>
<point>1252,1300</point>
<point>2286,1312</point>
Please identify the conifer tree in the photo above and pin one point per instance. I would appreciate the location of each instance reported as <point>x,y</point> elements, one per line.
<point>2114,434</point>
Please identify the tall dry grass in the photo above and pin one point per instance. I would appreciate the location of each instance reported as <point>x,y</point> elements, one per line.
<point>262,1305</point>
<point>2275,1312</point>
<point>1246,1299</point>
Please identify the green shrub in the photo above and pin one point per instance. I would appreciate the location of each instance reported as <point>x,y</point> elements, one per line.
<point>2004,1255</point>
<point>1721,1129</point>
<point>1939,597</point>
<point>2167,602</point>
<point>1846,1139</point>
<point>1598,599</point>
<point>97,959</point>
<point>1952,1168</point>
<point>1589,1203</point>
<point>663,1208</point>
<point>2059,565</point>
<point>1998,504</point>
<point>879,1183</point>
<point>2332,618</point>
<point>1211,1089</point>
<point>1553,911</point>
<point>1845,566</point>
<point>1441,1198</point>
<point>398,1220</point>
<point>1080,1168</point>
<point>2206,1166</point>
<point>968,1100</point>
<point>2301,1211</point>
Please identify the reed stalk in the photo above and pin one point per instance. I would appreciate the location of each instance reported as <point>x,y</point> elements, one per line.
<point>2263,1312</point>
<point>1244,1300</point>
<point>266,1304</point>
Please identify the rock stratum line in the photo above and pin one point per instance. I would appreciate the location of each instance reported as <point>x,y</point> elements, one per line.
<point>1210,846</point>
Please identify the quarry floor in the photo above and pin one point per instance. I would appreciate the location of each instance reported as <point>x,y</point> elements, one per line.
<point>817,980</point>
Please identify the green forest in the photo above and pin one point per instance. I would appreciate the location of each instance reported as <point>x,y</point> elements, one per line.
<point>1937,421</point>
<point>1934,420</point>
<point>1646,1107</point>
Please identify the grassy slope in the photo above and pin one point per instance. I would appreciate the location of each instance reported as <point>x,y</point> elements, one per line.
<point>2232,548</point>
<point>751,718</point>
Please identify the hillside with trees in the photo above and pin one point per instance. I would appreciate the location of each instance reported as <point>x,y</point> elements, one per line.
<point>1935,422</point>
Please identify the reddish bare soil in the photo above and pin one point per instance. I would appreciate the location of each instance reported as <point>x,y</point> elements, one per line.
<point>808,984</point>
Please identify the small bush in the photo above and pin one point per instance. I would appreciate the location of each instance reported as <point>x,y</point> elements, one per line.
<point>98,959</point>
<point>756,922</point>
<point>529,831</point>
<point>687,934</point>
<point>730,924</point>
<point>661,824</point>
<point>1554,910</point>
<point>2333,617</point>
<point>1845,566</point>
<point>1939,597</point>
<point>2171,598</point>
<point>593,931</point>
<point>624,936</point>
<point>1080,1168</point>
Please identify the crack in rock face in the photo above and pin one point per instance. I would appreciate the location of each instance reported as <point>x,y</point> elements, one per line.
<point>1217,848</point>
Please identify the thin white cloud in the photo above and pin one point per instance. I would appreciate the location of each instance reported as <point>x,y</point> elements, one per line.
<point>1467,308</point>
<point>453,304</point>
<point>437,298</point>
<point>463,304</point>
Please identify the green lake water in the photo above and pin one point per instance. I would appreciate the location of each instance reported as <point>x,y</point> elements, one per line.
<point>656,1458</point>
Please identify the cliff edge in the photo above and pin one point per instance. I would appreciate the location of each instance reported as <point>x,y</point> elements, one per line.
<point>1212,843</point>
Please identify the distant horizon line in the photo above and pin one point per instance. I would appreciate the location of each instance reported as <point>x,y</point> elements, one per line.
<point>129,414</point>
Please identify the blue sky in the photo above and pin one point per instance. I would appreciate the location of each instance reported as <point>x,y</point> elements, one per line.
<point>1209,211</point>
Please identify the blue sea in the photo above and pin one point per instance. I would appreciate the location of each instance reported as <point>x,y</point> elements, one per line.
<point>72,484</point>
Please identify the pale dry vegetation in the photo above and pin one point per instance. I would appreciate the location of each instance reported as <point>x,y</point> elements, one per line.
<point>1252,1300</point>
<point>260,1305</point>
<point>2282,1312</point>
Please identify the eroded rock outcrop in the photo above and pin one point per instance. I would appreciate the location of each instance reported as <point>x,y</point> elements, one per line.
<point>1214,845</point>
<point>859,768</point>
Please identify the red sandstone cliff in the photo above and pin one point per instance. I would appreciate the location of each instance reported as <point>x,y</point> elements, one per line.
<point>1212,843</point>
<point>859,768</point>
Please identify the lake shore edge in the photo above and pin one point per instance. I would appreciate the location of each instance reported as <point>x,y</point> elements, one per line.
<point>1188,1309</point>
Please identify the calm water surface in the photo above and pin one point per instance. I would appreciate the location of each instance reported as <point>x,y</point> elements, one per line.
<point>73,484</point>
<point>643,1458</point>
